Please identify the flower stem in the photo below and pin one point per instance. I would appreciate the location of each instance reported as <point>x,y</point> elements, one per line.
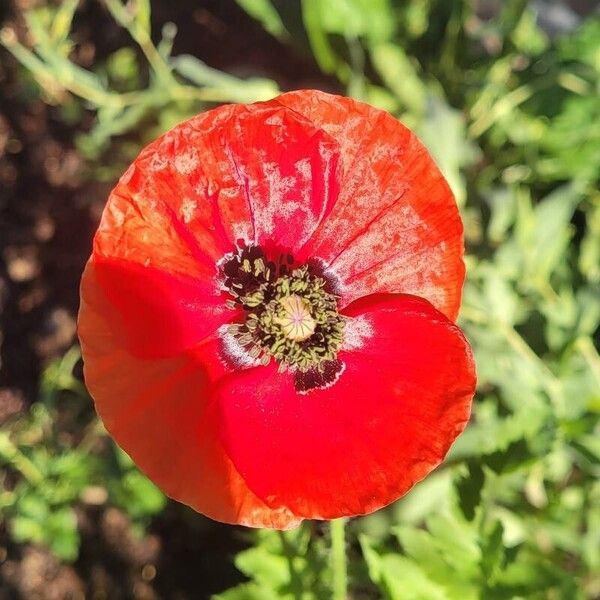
<point>338,559</point>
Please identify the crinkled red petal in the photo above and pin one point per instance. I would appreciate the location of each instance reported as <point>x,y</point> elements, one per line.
<point>259,173</point>
<point>160,314</point>
<point>404,396</point>
<point>283,165</point>
<point>159,412</point>
<point>395,226</point>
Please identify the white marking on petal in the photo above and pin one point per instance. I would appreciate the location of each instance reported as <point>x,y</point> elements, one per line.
<point>186,162</point>
<point>237,354</point>
<point>158,162</point>
<point>356,331</point>
<point>188,207</point>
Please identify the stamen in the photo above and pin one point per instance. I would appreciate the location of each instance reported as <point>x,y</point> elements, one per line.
<point>290,316</point>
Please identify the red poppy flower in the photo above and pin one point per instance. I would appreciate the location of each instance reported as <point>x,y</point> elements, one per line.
<point>267,316</point>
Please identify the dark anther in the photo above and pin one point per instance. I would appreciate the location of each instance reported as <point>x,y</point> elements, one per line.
<point>245,271</point>
<point>318,377</point>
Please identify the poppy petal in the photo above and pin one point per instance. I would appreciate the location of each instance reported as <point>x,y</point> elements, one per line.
<point>138,226</point>
<point>158,412</point>
<point>353,447</point>
<point>259,173</point>
<point>161,314</point>
<point>395,226</point>
<point>281,164</point>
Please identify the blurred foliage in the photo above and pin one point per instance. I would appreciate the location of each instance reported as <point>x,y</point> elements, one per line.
<point>61,465</point>
<point>286,566</point>
<point>144,89</point>
<point>512,116</point>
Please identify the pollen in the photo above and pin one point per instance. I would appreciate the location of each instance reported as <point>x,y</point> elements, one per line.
<point>295,319</point>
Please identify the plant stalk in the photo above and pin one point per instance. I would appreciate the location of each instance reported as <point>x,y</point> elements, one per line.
<point>339,568</point>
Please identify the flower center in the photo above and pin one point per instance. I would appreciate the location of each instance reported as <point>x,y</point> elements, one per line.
<point>291,315</point>
<point>295,319</point>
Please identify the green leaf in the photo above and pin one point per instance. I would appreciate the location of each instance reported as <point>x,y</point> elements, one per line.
<point>26,529</point>
<point>429,495</point>
<point>421,547</point>
<point>417,15</point>
<point>511,14</point>
<point>469,488</point>
<point>281,565</point>
<point>500,297</point>
<point>138,495</point>
<point>123,459</point>
<point>443,131</point>
<point>492,553</point>
<point>372,19</point>
<point>545,239</point>
<point>572,140</point>
<point>583,44</point>
<point>122,67</point>
<point>503,205</point>
<point>457,542</point>
<point>37,522</point>
<point>399,578</point>
<point>265,12</point>
<point>591,541</point>
<point>589,259</point>
<point>268,569</point>
<point>112,122</point>
<point>232,88</point>
<point>33,506</point>
<point>589,446</point>
<point>400,75</point>
<point>516,456</point>
<point>61,534</point>
<point>317,37</point>
<point>527,35</point>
